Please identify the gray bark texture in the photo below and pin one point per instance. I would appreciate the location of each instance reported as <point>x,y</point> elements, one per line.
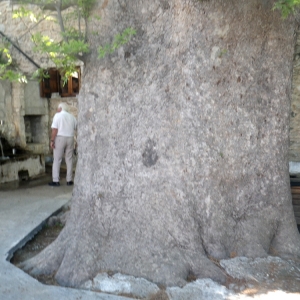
<point>183,142</point>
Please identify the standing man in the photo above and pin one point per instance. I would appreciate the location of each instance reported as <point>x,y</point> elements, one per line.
<point>62,141</point>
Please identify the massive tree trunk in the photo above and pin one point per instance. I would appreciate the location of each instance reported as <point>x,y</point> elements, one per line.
<point>183,141</point>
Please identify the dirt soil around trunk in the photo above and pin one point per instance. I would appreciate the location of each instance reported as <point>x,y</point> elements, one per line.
<point>44,238</point>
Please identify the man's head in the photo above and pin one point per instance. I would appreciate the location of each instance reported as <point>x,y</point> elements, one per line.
<point>62,106</point>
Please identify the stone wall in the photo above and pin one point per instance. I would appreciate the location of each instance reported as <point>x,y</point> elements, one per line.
<point>6,112</point>
<point>26,117</point>
<point>12,113</point>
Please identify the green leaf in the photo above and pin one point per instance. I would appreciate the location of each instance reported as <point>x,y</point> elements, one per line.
<point>119,40</point>
<point>286,7</point>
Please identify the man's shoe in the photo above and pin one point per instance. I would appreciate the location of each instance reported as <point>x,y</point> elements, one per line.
<point>70,182</point>
<point>52,183</point>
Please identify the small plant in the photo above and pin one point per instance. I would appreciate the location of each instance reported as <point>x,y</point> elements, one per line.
<point>161,295</point>
<point>222,52</point>
<point>286,6</point>
<point>233,254</point>
<point>119,40</point>
<point>40,74</point>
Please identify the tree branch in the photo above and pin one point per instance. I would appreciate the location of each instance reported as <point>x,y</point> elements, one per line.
<point>58,7</point>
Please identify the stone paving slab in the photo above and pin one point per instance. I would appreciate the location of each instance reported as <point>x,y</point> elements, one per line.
<point>22,213</point>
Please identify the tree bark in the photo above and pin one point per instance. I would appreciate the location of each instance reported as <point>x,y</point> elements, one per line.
<point>183,143</point>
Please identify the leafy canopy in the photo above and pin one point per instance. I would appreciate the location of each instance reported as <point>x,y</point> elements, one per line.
<point>119,40</point>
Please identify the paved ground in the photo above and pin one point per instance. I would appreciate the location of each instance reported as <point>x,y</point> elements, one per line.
<point>22,212</point>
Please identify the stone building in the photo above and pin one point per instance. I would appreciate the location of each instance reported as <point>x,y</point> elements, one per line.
<point>27,109</point>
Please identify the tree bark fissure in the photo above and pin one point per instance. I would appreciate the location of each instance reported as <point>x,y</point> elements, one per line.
<point>183,140</point>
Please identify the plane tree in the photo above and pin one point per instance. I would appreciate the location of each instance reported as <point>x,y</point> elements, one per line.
<point>183,142</point>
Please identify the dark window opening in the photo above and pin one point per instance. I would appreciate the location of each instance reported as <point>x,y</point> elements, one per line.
<point>23,175</point>
<point>33,129</point>
<point>55,84</point>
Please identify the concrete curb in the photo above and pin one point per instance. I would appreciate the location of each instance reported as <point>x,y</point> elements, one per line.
<point>22,214</point>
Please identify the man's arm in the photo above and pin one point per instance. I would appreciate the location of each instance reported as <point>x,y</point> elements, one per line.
<point>53,136</point>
